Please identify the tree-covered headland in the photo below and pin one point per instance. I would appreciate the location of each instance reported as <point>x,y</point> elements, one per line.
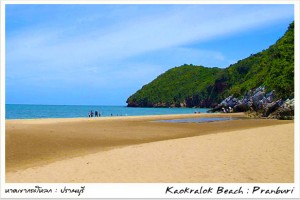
<point>199,86</point>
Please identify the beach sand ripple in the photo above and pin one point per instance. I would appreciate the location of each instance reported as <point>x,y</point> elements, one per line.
<point>157,152</point>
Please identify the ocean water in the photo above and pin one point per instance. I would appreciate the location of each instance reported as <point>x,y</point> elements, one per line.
<point>20,111</point>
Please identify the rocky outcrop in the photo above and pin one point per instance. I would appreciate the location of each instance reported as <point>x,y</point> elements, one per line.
<point>258,101</point>
<point>285,111</point>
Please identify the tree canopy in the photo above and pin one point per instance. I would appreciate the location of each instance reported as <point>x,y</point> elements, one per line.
<point>198,86</point>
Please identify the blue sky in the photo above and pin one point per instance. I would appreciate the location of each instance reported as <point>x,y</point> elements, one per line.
<point>101,54</point>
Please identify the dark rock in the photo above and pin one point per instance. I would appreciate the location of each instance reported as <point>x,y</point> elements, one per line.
<point>257,97</point>
<point>270,96</point>
<point>271,107</point>
<point>285,111</point>
<point>259,102</point>
<point>241,108</point>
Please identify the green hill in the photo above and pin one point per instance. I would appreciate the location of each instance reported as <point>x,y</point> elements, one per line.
<point>273,68</point>
<point>173,87</point>
<point>198,86</point>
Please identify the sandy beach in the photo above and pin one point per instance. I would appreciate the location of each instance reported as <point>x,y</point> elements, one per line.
<point>142,150</point>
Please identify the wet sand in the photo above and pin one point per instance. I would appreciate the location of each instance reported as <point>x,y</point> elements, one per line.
<point>138,149</point>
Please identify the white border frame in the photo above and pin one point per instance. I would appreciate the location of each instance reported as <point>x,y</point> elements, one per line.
<point>152,190</point>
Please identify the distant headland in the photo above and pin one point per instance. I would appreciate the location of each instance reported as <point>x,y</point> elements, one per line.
<point>269,72</point>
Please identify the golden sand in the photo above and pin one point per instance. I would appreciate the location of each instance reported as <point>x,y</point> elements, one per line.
<point>138,149</point>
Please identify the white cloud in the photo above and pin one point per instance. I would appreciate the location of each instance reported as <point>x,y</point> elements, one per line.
<point>72,54</point>
<point>131,38</point>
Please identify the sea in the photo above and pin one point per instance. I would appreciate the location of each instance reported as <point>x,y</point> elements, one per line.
<point>21,111</point>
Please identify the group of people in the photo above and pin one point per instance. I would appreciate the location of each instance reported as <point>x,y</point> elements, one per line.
<point>96,114</point>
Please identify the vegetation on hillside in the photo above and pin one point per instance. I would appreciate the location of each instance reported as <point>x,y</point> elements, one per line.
<point>273,68</point>
<point>198,86</point>
<point>174,86</point>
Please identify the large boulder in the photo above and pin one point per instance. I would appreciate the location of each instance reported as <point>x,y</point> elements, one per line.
<point>285,111</point>
<point>271,107</point>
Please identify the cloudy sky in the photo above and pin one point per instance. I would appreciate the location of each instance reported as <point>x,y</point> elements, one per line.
<point>101,54</point>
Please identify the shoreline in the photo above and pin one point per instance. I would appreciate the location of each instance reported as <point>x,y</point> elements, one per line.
<point>190,115</point>
<point>32,144</point>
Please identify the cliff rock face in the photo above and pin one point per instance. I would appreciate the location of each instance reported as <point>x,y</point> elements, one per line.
<point>285,111</point>
<point>258,101</point>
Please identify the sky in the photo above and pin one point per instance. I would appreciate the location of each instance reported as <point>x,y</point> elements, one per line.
<point>102,54</point>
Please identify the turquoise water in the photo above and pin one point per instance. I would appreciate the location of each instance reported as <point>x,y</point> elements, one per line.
<point>19,111</point>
